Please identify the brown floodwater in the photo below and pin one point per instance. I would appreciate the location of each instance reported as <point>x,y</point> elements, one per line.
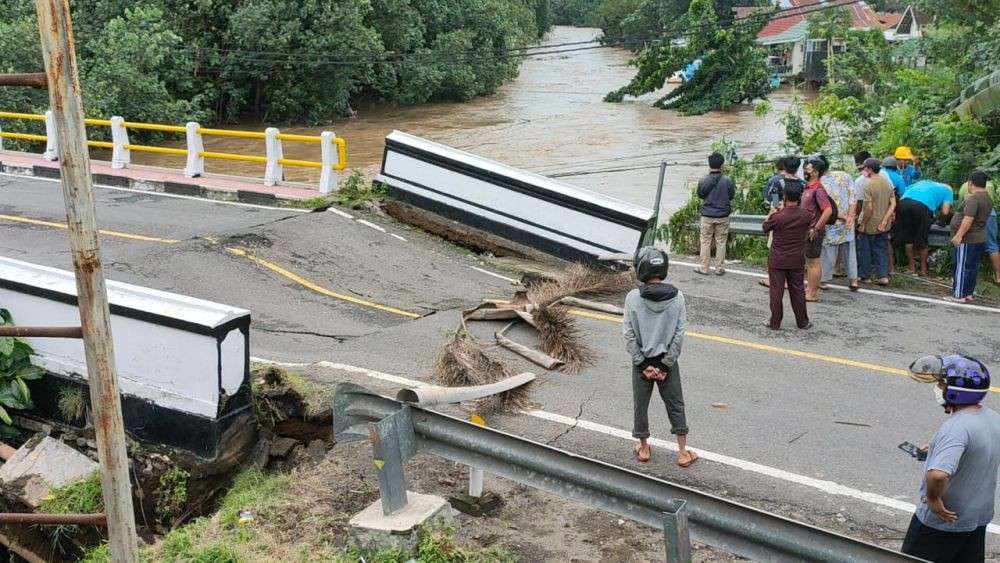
<point>551,120</point>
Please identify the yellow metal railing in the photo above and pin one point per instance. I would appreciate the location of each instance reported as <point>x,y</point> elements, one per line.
<point>340,162</point>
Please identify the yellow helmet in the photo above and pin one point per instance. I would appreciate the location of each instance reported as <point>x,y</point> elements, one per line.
<point>904,153</point>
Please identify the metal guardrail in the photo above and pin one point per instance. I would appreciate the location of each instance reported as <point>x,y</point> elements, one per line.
<point>753,225</point>
<point>398,430</point>
<point>333,149</point>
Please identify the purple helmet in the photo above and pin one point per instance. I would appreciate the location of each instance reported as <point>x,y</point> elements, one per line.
<point>966,379</point>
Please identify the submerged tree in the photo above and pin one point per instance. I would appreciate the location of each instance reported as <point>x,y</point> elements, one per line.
<point>733,68</point>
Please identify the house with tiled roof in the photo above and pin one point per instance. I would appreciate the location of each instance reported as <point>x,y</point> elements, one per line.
<point>785,34</point>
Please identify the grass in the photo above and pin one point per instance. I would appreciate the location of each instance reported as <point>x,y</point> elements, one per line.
<point>80,497</point>
<point>171,495</point>
<point>72,402</point>
<point>355,191</point>
<point>314,396</point>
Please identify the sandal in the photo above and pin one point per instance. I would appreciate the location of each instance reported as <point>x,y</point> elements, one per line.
<point>763,283</point>
<point>823,286</point>
<point>638,449</point>
<point>686,462</point>
<point>812,300</point>
<point>854,286</point>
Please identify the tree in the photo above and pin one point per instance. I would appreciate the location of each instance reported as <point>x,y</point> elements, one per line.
<point>829,26</point>
<point>733,68</point>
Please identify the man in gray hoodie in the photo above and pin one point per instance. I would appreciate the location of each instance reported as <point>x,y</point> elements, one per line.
<point>654,323</point>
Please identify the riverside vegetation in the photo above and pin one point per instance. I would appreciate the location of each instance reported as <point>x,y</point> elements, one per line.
<point>304,61</point>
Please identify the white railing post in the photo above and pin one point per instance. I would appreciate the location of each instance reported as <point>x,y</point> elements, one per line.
<point>120,155</point>
<point>195,161</point>
<point>51,143</point>
<point>328,178</point>
<point>272,145</point>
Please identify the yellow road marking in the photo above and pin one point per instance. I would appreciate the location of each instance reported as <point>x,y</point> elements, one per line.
<point>64,226</point>
<point>318,289</point>
<point>766,347</point>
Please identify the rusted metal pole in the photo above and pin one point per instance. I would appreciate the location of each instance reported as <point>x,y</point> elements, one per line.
<point>42,331</point>
<point>56,32</point>
<point>40,519</point>
<point>33,79</point>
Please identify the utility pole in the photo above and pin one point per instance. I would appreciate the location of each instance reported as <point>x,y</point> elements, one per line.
<point>56,32</point>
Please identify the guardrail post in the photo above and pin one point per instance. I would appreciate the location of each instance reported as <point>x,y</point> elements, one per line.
<point>675,532</point>
<point>195,161</point>
<point>272,145</point>
<point>328,178</point>
<point>393,442</point>
<point>51,141</point>
<point>476,475</point>
<point>1,138</point>
<point>120,156</point>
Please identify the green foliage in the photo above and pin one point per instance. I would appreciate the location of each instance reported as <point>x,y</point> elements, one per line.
<point>171,495</point>
<point>98,554</point>
<point>579,13</point>
<point>356,191</point>
<point>733,68</point>
<point>80,497</point>
<point>15,371</point>
<point>217,60</point>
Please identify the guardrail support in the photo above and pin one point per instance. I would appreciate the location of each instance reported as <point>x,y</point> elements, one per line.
<point>51,141</point>
<point>120,155</point>
<point>675,532</point>
<point>272,146</point>
<point>393,442</point>
<point>328,178</point>
<point>195,161</point>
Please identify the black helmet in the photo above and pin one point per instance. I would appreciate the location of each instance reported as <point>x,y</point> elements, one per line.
<point>651,263</point>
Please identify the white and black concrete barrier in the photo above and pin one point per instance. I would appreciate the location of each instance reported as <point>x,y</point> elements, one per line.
<point>183,364</point>
<point>529,209</point>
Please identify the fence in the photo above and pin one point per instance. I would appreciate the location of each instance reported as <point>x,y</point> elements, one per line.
<point>398,431</point>
<point>333,149</point>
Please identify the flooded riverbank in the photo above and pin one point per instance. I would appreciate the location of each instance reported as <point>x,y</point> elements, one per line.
<point>550,120</point>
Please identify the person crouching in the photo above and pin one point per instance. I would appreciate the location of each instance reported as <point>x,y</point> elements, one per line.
<point>654,323</point>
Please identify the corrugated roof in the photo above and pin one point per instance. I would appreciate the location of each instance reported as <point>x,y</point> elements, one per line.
<point>790,24</point>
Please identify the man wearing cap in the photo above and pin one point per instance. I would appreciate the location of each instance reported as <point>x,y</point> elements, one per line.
<point>915,215</point>
<point>907,165</point>
<point>960,475</point>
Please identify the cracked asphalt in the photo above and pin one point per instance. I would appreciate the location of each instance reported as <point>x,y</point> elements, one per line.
<point>835,415</point>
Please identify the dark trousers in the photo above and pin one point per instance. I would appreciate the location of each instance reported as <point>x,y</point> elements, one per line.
<point>967,257</point>
<point>873,255</point>
<point>796,294</point>
<point>944,547</point>
<point>671,394</point>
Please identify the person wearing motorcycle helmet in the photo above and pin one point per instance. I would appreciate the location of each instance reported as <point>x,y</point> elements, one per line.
<point>960,475</point>
<point>655,319</point>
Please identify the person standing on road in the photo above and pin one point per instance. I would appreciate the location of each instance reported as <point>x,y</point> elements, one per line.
<point>816,201</point>
<point>873,227</point>
<point>915,216</point>
<point>773,187</point>
<point>992,243</point>
<point>838,242</point>
<point>968,230</point>
<point>960,474</point>
<point>787,178</point>
<point>655,319</point>
<point>786,261</point>
<point>716,192</point>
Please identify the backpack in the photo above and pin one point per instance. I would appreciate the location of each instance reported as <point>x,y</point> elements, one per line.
<point>835,214</point>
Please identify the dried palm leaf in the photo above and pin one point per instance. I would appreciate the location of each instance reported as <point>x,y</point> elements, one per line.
<point>560,338</point>
<point>463,362</point>
<point>582,281</point>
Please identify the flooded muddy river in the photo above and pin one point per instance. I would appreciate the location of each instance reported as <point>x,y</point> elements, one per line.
<point>550,120</point>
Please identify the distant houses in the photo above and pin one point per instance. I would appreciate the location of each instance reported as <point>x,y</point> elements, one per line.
<point>793,56</point>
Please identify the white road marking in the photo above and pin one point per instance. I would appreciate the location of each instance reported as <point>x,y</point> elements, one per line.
<point>905,296</point>
<point>495,275</point>
<point>164,194</point>
<point>398,236</point>
<point>828,487</point>
<point>341,213</point>
<point>372,225</point>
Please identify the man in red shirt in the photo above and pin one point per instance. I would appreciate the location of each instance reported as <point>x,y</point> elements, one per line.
<point>786,262</point>
<point>816,201</point>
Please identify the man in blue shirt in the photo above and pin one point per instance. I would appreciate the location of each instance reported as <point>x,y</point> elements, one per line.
<point>960,474</point>
<point>890,169</point>
<point>907,165</point>
<point>915,215</point>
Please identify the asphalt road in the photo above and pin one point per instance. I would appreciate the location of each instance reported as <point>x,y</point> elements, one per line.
<point>808,416</point>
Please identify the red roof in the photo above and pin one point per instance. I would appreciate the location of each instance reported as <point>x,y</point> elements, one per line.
<point>889,20</point>
<point>862,15</point>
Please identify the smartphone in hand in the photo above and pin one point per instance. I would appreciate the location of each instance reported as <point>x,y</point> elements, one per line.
<point>914,451</point>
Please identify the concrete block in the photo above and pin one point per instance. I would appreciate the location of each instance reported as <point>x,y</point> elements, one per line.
<point>372,531</point>
<point>42,465</point>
